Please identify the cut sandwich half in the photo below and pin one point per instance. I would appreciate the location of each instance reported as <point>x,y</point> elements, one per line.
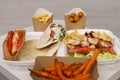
<point>13,44</point>
<point>53,34</point>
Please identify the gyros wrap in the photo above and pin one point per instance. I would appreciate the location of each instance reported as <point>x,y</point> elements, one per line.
<point>53,34</point>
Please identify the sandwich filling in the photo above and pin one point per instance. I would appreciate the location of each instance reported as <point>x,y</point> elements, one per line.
<point>14,41</point>
<point>57,32</point>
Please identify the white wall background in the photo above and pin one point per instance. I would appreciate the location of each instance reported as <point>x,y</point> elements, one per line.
<point>100,13</point>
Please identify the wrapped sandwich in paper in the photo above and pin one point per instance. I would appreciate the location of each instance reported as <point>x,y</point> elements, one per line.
<point>41,19</point>
<point>75,19</point>
<point>53,34</point>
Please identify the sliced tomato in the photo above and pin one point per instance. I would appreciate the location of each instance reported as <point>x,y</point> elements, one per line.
<point>20,32</point>
<point>52,34</point>
<point>9,42</point>
<point>19,44</point>
<point>83,50</point>
<point>86,50</point>
<point>108,49</point>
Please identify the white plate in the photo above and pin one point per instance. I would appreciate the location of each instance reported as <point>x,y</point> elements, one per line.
<point>29,36</point>
<point>63,50</point>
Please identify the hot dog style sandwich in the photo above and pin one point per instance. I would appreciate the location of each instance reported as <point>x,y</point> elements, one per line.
<point>13,44</point>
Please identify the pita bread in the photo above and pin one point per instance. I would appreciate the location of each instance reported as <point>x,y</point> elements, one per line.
<point>7,54</point>
<point>45,39</point>
<point>29,51</point>
<point>49,42</point>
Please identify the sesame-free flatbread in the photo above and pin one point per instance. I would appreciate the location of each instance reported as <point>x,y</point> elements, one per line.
<point>45,39</point>
<point>29,51</point>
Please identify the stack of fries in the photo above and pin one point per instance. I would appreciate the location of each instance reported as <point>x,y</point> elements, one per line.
<point>61,71</point>
<point>43,17</point>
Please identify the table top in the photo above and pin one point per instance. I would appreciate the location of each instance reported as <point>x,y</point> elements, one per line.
<point>106,72</point>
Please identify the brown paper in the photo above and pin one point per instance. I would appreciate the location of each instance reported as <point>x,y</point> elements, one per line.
<point>43,61</point>
<point>38,25</point>
<point>78,25</point>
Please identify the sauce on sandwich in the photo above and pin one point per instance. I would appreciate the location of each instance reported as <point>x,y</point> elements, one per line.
<point>14,41</point>
<point>55,31</point>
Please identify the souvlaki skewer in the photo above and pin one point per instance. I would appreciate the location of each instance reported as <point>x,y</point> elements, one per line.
<point>13,44</point>
<point>53,34</point>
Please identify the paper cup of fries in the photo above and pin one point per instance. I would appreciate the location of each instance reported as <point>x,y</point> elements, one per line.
<point>75,19</point>
<point>50,68</point>
<point>41,19</point>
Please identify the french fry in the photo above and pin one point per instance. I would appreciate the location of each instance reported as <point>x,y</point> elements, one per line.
<point>83,77</point>
<point>49,68</point>
<point>67,73</point>
<point>61,71</point>
<point>77,76</point>
<point>58,70</point>
<point>80,69</point>
<point>39,73</point>
<point>71,67</point>
<point>76,66</point>
<point>43,17</point>
<point>66,67</point>
<point>54,73</point>
<point>44,74</point>
<point>91,62</point>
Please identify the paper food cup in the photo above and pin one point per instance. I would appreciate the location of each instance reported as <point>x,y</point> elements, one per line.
<point>40,25</point>
<point>43,61</point>
<point>77,25</point>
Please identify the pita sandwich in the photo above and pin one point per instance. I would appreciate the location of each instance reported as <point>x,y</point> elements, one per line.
<point>13,43</point>
<point>54,33</point>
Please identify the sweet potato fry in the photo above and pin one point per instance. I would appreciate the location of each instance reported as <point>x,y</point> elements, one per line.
<point>71,66</point>
<point>77,76</point>
<point>44,74</point>
<point>91,62</point>
<point>53,77</point>
<point>80,69</point>
<point>61,63</point>
<point>59,71</point>
<point>66,67</point>
<point>49,68</point>
<point>67,73</point>
<point>75,66</point>
<point>54,73</point>
<point>39,73</point>
<point>83,77</point>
